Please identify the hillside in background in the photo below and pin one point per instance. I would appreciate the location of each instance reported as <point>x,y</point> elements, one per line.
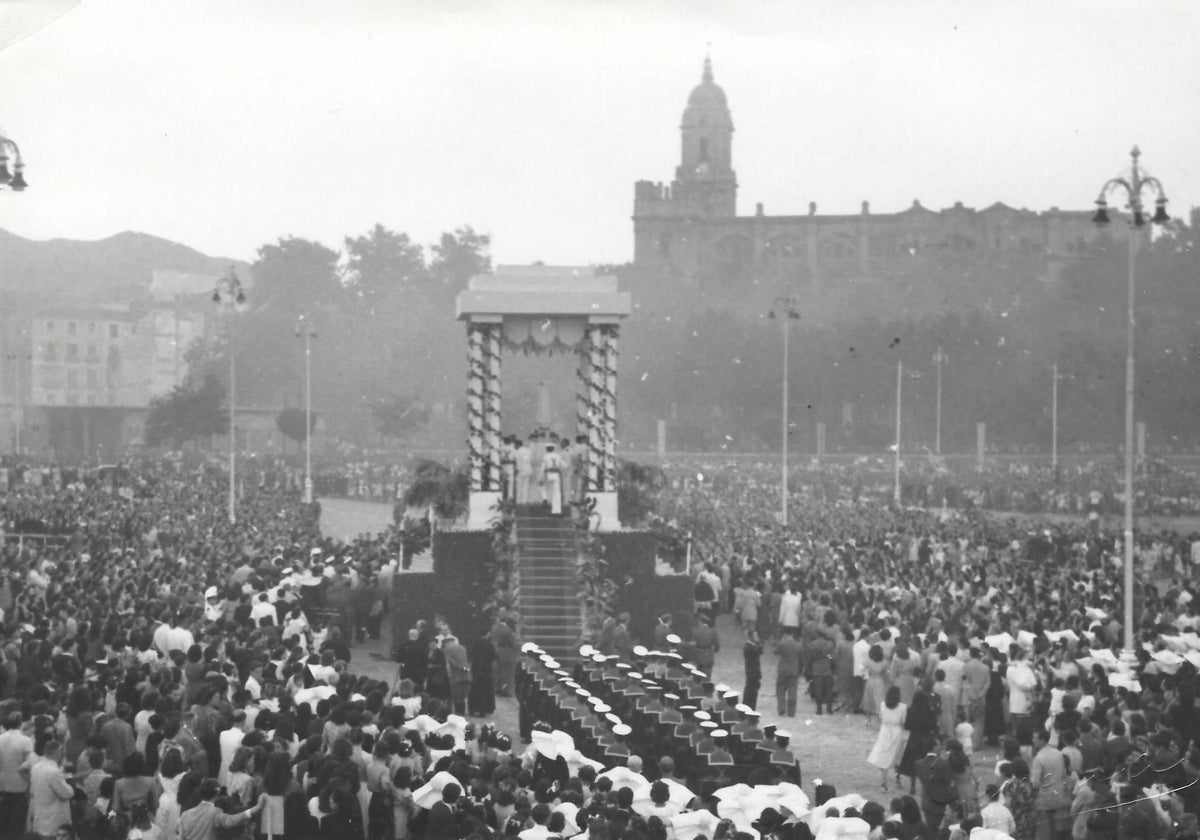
<point>37,275</point>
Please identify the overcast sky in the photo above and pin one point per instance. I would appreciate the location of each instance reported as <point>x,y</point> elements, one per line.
<point>224,124</point>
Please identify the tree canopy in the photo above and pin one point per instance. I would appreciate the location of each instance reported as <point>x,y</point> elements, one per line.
<point>188,413</point>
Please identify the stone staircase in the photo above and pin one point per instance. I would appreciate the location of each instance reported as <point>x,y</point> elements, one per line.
<point>549,603</point>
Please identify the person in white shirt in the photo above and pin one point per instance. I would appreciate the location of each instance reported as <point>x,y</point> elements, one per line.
<point>162,635</point>
<point>230,740</point>
<point>524,469</point>
<point>49,792</point>
<point>860,651</point>
<point>254,681</point>
<point>261,609</point>
<point>179,637</point>
<point>789,608</point>
<point>295,625</point>
<point>995,814</point>
<point>552,476</point>
<point>15,750</point>
<point>214,610</point>
<point>1022,682</point>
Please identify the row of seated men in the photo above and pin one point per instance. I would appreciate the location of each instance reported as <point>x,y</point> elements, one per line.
<point>653,706</point>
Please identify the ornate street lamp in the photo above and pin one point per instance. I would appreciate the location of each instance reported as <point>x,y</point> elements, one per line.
<point>1133,186</point>
<point>229,294</point>
<point>786,309</point>
<point>305,330</point>
<point>13,178</point>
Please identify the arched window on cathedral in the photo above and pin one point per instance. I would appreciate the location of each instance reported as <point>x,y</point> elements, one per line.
<point>839,255</point>
<point>731,257</point>
<point>664,245</point>
<point>784,259</point>
<point>703,149</point>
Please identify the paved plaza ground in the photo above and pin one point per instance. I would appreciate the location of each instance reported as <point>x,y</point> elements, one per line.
<point>833,748</point>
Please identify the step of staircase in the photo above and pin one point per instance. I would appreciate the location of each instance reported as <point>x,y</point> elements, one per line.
<point>549,600</point>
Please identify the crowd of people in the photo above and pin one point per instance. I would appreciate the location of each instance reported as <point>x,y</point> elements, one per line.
<point>168,673</point>
<point>958,631</point>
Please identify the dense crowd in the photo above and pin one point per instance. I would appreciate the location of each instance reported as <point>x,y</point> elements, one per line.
<point>957,631</point>
<point>167,673</point>
<point>1014,485</point>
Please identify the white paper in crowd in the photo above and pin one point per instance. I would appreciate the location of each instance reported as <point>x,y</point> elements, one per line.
<point>733,791</point>
<point>576,759</point>
<point>692,824</point>
<point>1168,661</point>
<point>624,777</point>
<point>1126,681</point>
<point>1175,643</point>
<point>431,792</point>
<point>843,828</point>
<point>570,811</point>
<point>841,803</point>
<point>424,724</point>
<point>743,810</point>
<point>1000,641</point>
<point>786,797</point>
<point>677,795</point>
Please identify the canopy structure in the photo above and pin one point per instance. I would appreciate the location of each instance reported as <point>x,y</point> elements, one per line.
<point>543,309</point>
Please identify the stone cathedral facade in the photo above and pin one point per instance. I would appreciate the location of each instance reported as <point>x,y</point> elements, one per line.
<point>689,234</point>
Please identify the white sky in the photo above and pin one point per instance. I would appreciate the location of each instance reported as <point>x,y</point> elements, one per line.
<point>224,124</point>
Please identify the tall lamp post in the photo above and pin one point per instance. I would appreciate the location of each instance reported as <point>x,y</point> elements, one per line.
<point>1132,185</point>
<point>15,359</point>
<point>899,404</point>
<point>786,309</point>
<point>1054,420</point>
<point>304,329</point>
<point>938,359</point>
<point>14,179</point>
<point>230,295</point>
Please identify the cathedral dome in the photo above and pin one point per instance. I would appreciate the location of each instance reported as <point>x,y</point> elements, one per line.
<point>706,103</point>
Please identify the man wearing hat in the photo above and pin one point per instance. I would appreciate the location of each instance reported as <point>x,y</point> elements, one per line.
<point>706,643</point>
<point>205,821</point>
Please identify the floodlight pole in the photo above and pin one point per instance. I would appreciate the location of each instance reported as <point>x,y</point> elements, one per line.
<point>1133,186</point>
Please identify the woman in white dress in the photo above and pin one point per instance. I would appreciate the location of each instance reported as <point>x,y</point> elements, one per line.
<point>889,744</point>
<point>170,774</point>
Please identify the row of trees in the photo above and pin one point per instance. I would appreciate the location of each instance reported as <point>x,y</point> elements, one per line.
<point>389,357</point>
<point>387,352</point>
<point>713,367</point>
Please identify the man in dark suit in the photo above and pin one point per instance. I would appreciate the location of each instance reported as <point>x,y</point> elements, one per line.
<point>506,644</point>
<point>1091,747</point>
<point>458,668</point>
<point>706,643</point>
<point>787,673</point>
<point>1117,747</point>
<point>441,815</point>
<point>413,656</point>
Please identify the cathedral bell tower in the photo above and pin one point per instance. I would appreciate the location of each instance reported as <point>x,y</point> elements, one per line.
<point>667,217</point>
<point>705,182</point>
